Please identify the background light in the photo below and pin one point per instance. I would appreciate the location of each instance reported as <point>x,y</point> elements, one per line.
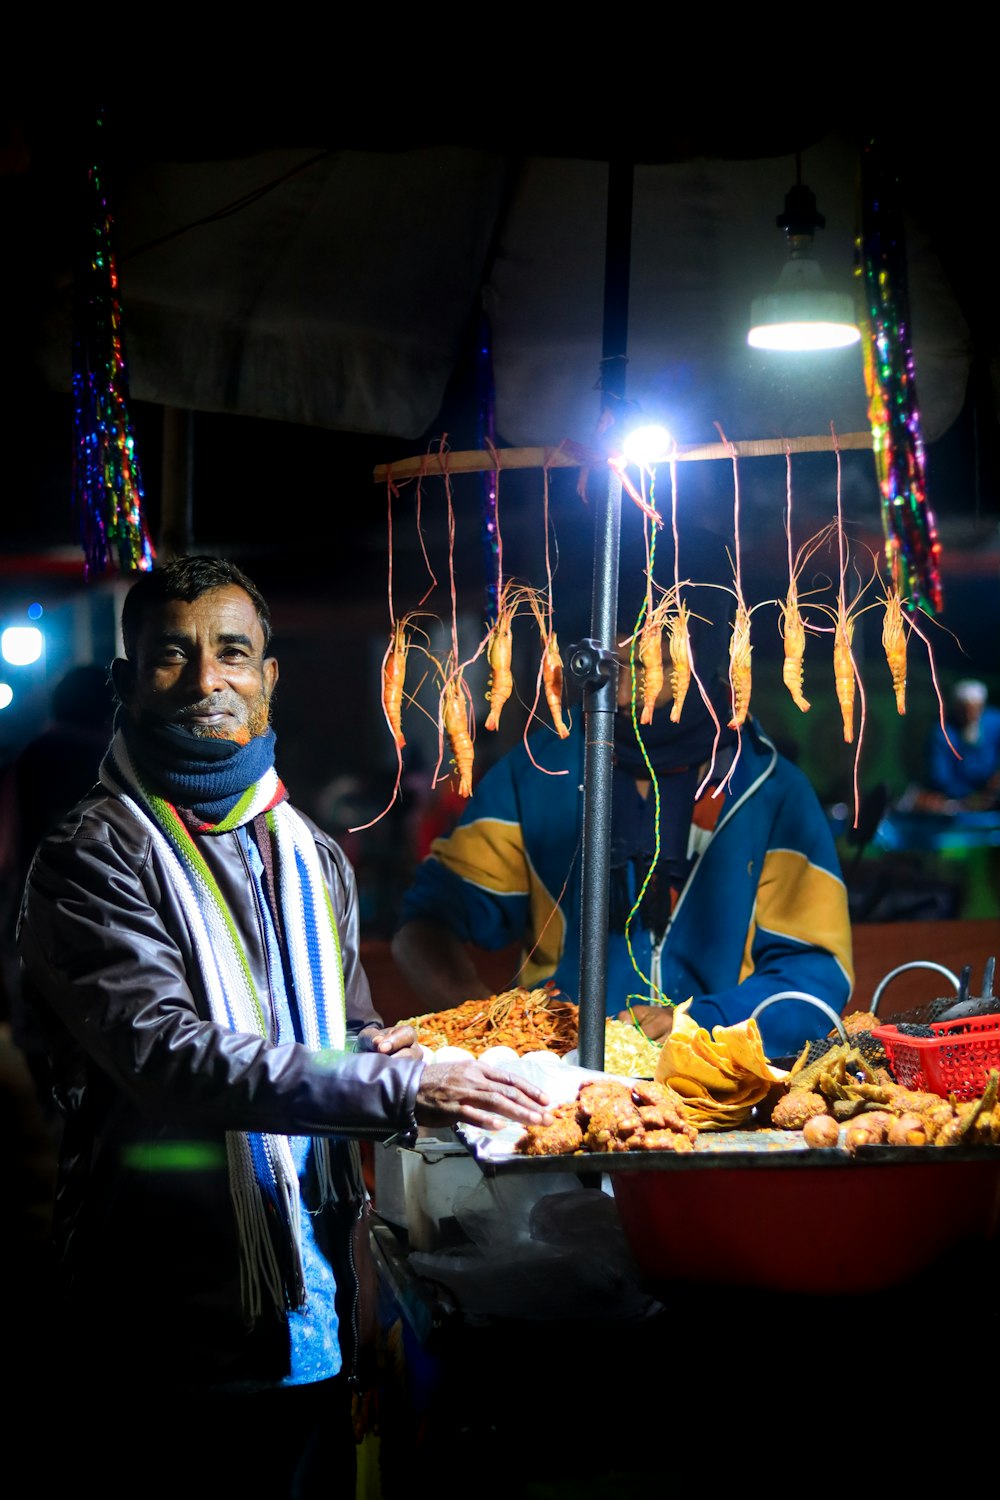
<point>21,644</point>
<point>802,311</point>
<point>6,695</point>
<point>647,445</point>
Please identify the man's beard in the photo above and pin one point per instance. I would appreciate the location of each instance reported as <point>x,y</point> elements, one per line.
<point>259,717</point>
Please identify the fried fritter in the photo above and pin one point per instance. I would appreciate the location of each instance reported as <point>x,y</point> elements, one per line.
<point>609,1116</point>
<point>661,1108</point>
<point>793,1109</point>
<point>665,1140</point>
<point>561,1138</point>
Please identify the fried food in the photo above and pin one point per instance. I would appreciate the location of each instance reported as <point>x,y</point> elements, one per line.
<point>793,1109</point>
<point>628,1051</point>
<point>561,1138</point>
<point>821,1131</point>
<point>858,1020</point>
<point>526,1020</point>
<point>664,1140</point>
<point>608,1116</point>
<point>720,1075</point>
<point>660,1108</point>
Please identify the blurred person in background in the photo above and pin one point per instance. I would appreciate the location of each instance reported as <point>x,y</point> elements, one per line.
<point>965,773</point>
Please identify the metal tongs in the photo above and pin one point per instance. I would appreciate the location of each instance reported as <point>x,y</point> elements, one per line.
<point>961,1007</point>
<point>965,1006</point>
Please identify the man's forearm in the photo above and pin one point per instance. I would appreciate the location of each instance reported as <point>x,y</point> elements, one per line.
<point>437,964</point>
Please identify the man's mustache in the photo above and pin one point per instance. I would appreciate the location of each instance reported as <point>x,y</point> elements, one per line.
<point>217,704</point>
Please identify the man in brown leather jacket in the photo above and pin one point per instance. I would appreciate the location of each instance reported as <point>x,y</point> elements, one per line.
<point>190,944</point>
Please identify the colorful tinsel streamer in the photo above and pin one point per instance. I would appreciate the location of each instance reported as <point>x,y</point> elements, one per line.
<point>107,483</point>
<point>913,550</point>
<point>486,437</point>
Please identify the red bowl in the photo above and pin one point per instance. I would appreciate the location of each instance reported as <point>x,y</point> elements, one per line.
<point>851,1229</point>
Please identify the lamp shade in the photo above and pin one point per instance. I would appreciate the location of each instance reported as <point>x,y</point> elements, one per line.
<point>803,312</point>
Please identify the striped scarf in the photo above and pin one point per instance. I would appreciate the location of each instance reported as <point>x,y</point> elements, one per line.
<point>262,1177</point>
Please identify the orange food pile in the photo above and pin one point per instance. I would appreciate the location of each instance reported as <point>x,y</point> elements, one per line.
<point>526,1020</point>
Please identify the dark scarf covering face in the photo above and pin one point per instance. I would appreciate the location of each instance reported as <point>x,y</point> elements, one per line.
<point>206,776</point>
<point>677,753</point>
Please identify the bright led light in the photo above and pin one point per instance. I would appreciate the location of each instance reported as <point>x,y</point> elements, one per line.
<point>803,336</point>
<point>21,645</point>
<point>648,445</point>
<point>6,695</point>
<point>803,312</point>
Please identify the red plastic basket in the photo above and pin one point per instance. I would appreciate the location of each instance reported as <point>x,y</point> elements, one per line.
<point>956,1060</point>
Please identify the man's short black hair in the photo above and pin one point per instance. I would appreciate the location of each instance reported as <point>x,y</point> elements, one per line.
<point>186,578</point>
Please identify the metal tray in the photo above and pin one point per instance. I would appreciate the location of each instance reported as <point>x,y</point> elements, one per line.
<point>752,1149</point>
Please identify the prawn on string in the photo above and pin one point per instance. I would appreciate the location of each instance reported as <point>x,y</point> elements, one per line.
<point>456,724</point>
<point>740,646</point>
<point>499,647</point>
<point>551,675</point>
<point>792,626</point>
<point>899,622</point>
<point>394,693</point>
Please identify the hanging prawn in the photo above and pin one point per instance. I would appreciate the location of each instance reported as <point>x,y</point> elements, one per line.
<point>844,669</point>
<point>393,677</point>
<point>894,645</point>
<point>791,625</point>
<point>681,661</point>
<point>793,633</point>
<point>551,670</point>
<point>650,655</point>
<point>455,718</point>
<point>499,650</point>
<point>552,681</point>
<point>739,664</point>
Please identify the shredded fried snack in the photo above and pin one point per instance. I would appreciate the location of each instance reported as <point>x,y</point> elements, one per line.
<point>526,1020</point>
<point>628,1051</point>
<point>533,1021</point>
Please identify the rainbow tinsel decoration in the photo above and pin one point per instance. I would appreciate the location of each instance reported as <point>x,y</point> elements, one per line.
<point>107,484</point>
<point>913,549</point>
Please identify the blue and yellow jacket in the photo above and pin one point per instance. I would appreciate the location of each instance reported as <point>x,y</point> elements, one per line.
<point>763,911</point>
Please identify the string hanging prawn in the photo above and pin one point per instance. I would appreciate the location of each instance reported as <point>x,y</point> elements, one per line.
<point>499,650</point>
<point>792,626</point>
<point>393,678</point>
<point>844,670</point>
<point>455,720</point>
<point>894,633</point>
<point>650,655</point>
<point>551,669</point>
<point>740,651</point>
<point>552,682</point>
<point>681,660</point>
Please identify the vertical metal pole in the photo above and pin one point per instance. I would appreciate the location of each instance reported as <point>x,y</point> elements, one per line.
<point>599,700</point>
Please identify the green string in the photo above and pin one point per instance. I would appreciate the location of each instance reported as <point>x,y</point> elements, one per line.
<point>650,998</point>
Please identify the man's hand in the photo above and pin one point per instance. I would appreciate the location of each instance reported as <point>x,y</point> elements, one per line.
<point>395,1041</point>
<point>655,1020</point>
<point>471,1094</point>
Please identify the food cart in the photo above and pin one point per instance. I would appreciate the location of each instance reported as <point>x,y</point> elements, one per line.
<point>548,1316</point>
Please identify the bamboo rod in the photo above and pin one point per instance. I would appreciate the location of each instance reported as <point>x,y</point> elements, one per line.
<point>575,455</point>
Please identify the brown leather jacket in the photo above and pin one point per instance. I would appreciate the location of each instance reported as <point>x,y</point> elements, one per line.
<point>148,1084</point>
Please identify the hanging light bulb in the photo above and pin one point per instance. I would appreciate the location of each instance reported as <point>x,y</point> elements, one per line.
<point>802,311</point>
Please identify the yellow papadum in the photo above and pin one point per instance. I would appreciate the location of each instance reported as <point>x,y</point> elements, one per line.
<point>719,1075</point>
